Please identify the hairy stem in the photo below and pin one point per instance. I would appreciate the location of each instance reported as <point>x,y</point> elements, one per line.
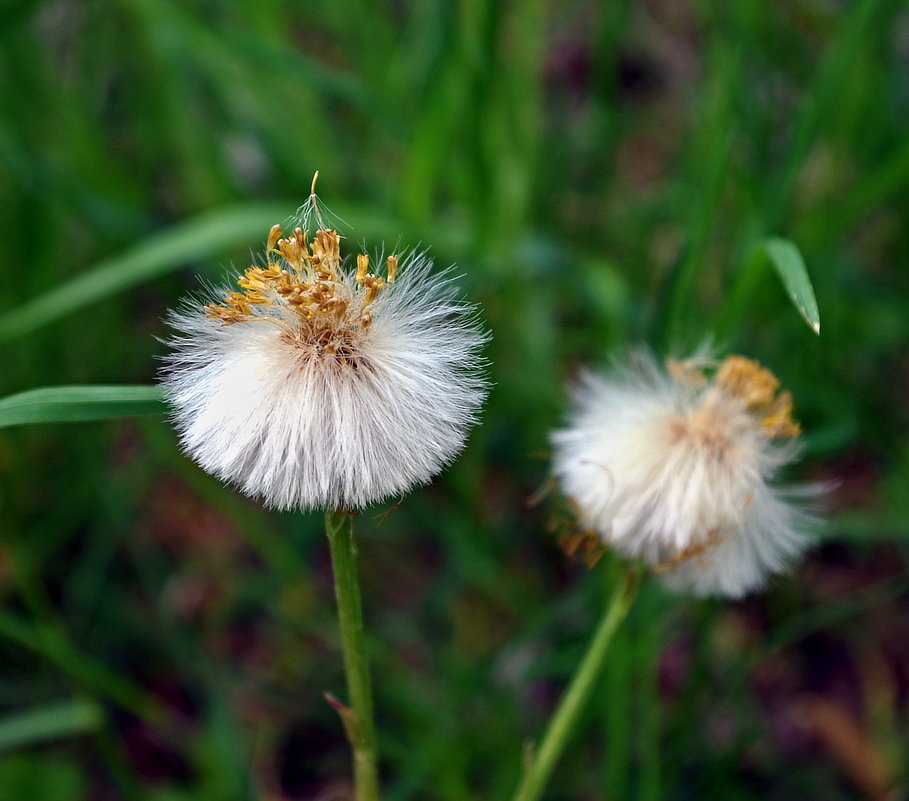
<point>358,718</point>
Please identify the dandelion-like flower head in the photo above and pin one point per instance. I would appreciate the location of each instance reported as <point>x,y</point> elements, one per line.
<point>326,384</point>
<point>677,467</point>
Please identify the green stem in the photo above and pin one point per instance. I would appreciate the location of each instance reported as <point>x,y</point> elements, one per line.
<point>563,722</point>
<point>358,719</point>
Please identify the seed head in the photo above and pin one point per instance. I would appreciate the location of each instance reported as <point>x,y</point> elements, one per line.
<point>321,384</point>
<point>677,467</point>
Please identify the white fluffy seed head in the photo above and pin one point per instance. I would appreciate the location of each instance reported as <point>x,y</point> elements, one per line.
<point>677,468</point>
<point>323,384</point>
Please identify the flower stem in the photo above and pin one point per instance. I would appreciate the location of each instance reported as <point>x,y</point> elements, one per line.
<point>562,724</point>
<point>358,718</point>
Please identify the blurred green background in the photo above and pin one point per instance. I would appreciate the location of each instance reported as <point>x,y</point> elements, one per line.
<point>600,172</point>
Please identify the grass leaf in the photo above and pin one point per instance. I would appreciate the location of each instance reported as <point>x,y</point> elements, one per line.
<point>786,260</point>
<point>78,404</point>
<point>790,266</point>
<point>158,254</point>
<point>49,722</point>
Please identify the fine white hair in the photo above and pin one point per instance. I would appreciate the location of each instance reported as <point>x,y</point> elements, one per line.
<point>673,468</point>
<point>265,411</point>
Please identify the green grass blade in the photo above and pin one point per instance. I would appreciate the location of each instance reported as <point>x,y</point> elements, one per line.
<point>790,266</point>
<point>49,722</point>
<point>786,259</point>
<point>155,256</point>
<point>78,404</point>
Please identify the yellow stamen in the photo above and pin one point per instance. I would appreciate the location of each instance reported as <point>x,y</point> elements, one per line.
<point>757,387</point>
<point>273,236</point>
<point>308,277</point>
<point>392,264</point>
<point>746,379</point>
<point>326,251</point>
<point>374,284</point>
<point>362,267</point>
<point>778,420</point>
<point>292,252</point>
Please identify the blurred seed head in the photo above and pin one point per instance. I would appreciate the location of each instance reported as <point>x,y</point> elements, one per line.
<point>677,466</point>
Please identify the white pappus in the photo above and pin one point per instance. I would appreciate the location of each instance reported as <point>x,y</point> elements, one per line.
<point>324,383</point>
<point>678,467</point>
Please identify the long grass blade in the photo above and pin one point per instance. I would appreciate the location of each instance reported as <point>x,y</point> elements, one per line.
<point>159,254</point>
<point>49,722</point>
<point>78,404</point>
